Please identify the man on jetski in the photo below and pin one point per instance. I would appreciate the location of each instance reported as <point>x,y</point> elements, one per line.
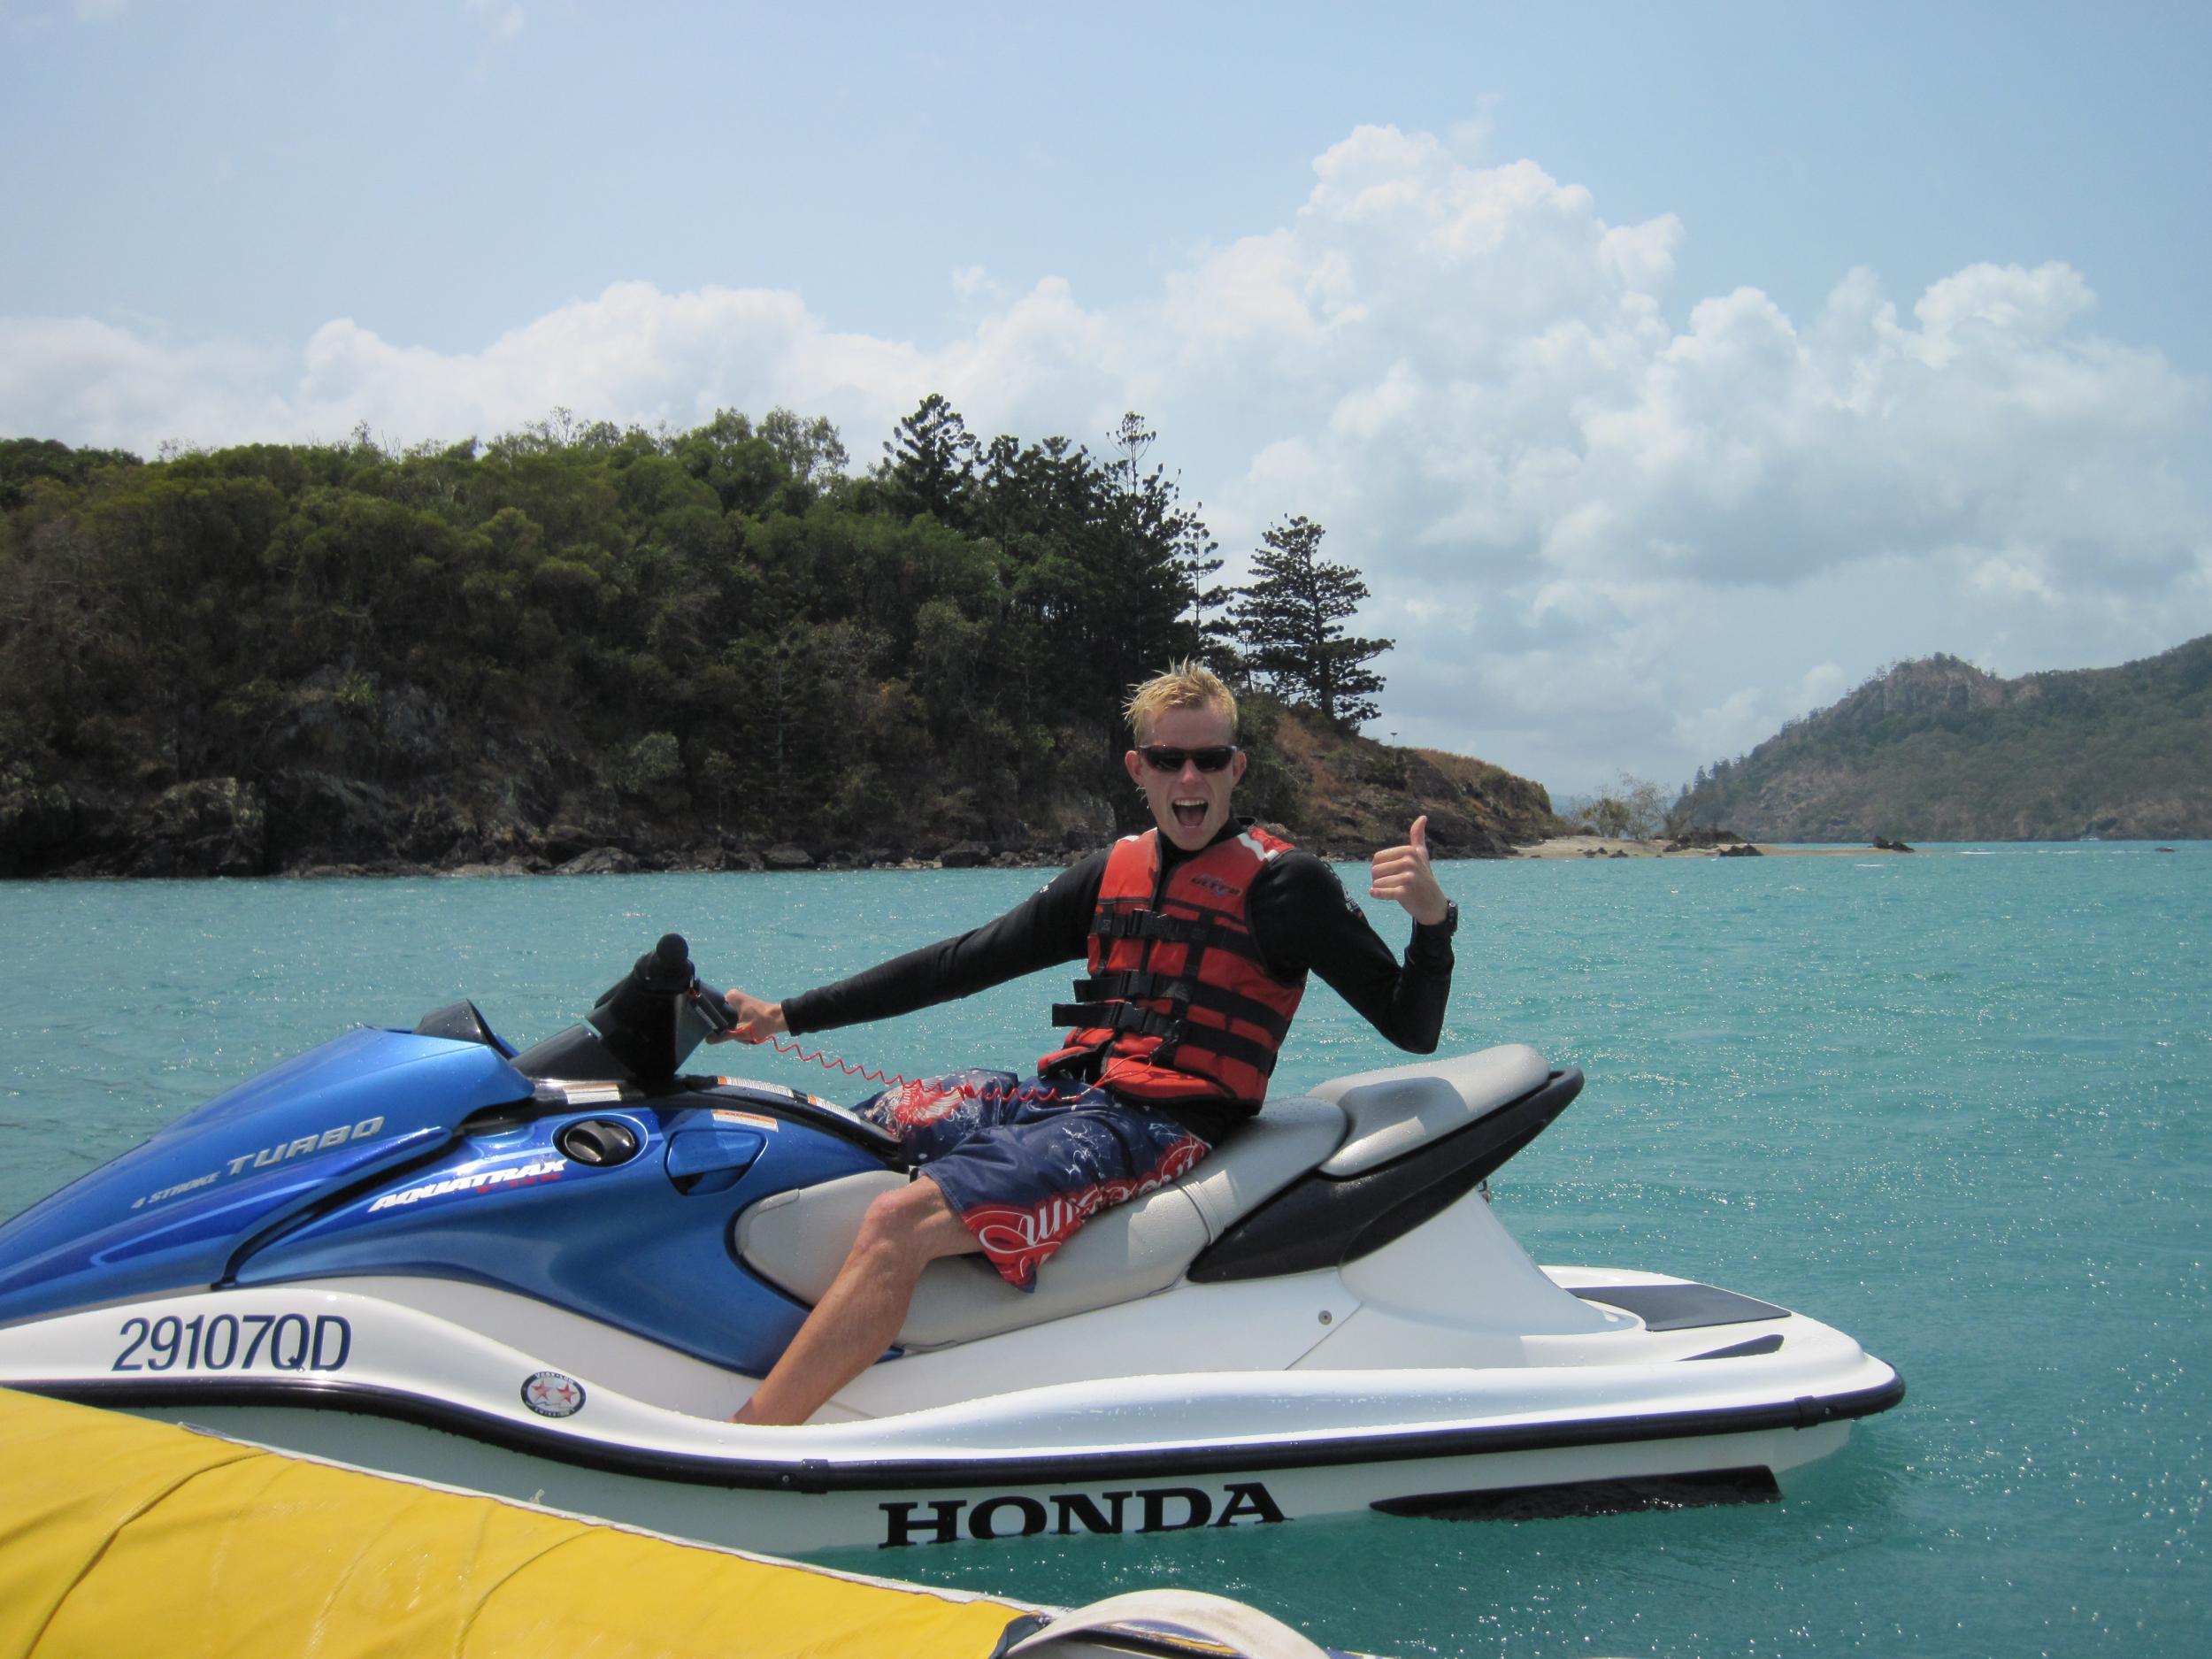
<point>1199,935</point>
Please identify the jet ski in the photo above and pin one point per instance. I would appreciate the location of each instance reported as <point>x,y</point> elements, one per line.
<point>552,1274</point>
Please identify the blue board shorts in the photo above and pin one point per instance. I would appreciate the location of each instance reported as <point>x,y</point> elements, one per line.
<point>1024,1164</point>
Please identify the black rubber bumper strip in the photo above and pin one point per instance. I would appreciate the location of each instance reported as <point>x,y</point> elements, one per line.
<point>822,1475</point>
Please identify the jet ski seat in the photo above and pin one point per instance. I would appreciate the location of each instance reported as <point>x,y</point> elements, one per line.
<point>798,1239</point>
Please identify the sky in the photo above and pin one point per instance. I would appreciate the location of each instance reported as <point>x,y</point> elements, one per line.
<point>1666,370</point>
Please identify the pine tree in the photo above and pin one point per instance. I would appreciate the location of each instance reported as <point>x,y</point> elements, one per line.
<point>930,462</point>
<point>1290,622</point>
<point>1162,553</point>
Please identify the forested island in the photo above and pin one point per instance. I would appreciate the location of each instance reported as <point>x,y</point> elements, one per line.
<point>578,647</point>
<point>1938,750</point>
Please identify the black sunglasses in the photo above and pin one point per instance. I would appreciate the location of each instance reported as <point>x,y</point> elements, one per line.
<point>1160,757</point>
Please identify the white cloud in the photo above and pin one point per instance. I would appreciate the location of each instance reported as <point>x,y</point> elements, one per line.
<point>1822,685</point>
<point>1730,727</point>
<point>2002,578</point>
<point>1600,539</point>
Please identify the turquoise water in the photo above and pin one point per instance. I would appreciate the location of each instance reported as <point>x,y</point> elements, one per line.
<point>1956,1105</point>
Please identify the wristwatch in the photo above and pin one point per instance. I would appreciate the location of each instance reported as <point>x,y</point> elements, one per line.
<point>1449,925</point>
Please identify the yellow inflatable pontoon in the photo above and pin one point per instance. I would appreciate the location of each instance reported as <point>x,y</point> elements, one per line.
<point>122,1536</point>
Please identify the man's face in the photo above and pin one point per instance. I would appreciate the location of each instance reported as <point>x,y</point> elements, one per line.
<point>1189,805</point>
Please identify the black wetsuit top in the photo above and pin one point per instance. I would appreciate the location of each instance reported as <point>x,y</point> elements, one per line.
<point>1300,918</point>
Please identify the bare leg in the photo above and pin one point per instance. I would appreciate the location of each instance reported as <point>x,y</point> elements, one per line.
<point>861,1312</point>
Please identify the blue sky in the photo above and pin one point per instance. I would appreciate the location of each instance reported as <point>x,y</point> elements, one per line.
<point>1668,369</point>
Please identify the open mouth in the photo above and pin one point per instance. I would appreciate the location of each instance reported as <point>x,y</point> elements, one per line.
<point>1189,814</point>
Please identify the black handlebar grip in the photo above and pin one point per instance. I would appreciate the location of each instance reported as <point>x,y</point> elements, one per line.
<point>713,1007</point>
<point>665,970</point>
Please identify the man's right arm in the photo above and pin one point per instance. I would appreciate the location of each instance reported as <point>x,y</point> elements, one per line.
<point>1050,927</point>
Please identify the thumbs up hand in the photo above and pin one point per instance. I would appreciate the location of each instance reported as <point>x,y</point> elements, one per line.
<point>1403,874</point>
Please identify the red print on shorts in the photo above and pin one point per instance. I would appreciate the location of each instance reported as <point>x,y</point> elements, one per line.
<point>1017,1238</point>
<point>920,1101</point>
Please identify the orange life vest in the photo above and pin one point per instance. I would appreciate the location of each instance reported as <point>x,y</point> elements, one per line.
<point>1179,1005</point>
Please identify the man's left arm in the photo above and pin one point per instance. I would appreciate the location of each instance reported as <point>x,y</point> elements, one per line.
<point>1303,919</point>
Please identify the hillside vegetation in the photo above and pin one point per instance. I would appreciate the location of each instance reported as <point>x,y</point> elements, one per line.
<point>586,647</point>
<point>1939,750</point>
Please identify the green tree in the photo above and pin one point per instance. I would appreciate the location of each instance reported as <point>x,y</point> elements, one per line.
<point>743,469</point>
<point>811,450</point>
<point>1647,805</point>
<point>1171,549</point>
<point>1635,809</point>
<point>23,460</point>
<point>1290,620</point>
<point>929,463</point>
<point>1148,558</point>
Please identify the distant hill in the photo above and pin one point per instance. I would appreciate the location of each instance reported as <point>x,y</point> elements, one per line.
<point>1939,750</point>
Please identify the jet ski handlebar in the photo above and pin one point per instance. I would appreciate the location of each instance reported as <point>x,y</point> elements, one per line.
<point>646,1022</point>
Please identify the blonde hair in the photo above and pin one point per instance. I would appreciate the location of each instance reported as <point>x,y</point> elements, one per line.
<point>1185,686</point>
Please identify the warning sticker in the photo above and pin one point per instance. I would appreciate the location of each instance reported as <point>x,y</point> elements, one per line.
<point>751,1119</point>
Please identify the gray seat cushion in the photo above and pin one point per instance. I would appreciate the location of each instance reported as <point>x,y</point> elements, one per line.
<point>797,1240</point>
<point>1393,1111</point>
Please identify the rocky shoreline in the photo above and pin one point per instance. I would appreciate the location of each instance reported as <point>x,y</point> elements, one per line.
<point>311,825</point>
<point>1347,796</point>
<point>314,826</point>
<point>785,857</point>
<point>1702,845</point>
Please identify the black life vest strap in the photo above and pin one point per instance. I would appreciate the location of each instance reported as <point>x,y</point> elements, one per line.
<point>1109,988</point>
<point>1200,933</point>
<point>1212,1040</point>
<point>1175,1034</point>
<point>1145,1022</point>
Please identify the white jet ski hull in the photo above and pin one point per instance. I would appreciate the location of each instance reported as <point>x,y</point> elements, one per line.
<point>363,1378</point>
